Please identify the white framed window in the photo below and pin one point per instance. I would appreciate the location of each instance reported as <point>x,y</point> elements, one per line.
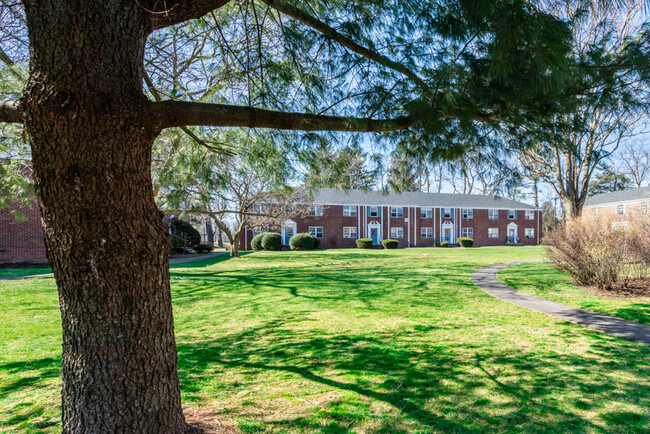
<point>468,213</point>
<point>598,211</point>
<point>530,214</point>
<point>493,232</point>
<point>512,214</point>
<point>645,206</point>
<point>530,233</point>
<point>316,231</point>
<point>468,233</point>
<point>493,214</point>
<point>620,209</point>
<point>447,212</point>
<point>396,212</point>
<point>349,211</point>
<point>349,232</point>
<point>373,211</point>
<point>316,211</point>
<point>426,213</point>
<point>396,233</point>
<point>426,232</point>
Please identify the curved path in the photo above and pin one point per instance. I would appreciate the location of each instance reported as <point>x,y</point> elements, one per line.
<point>486,279</point>
<point>171,262</point>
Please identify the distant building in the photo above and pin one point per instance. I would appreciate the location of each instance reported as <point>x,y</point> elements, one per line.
<point>21,241</point>
<point>416,219</point>
<point>618,203</point>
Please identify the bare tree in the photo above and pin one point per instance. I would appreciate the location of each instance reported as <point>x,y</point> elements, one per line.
<point>609,105</point>
<point>634,161</point>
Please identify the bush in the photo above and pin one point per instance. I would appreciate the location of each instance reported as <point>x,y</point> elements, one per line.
<point>390,244</point>
<point>465,242</point>
<point>602,251</point>
<point>203,248</point>
<point>316,243</point>
<point>271,241</point>
<point>256,242</point>
<point>176,244</point>
<point>444,244</point>
<point>364,243</point>
<point>301,242</point>
<point>190,236</point>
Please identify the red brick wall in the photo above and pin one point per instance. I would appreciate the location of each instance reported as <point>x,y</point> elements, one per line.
<point>21,241</point>
<point>333,222</point>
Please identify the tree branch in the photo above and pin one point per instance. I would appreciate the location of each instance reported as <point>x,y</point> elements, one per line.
<point>181,113</point>
<point>10,112</point>
<point>170,12</point>
<point>297,14</point>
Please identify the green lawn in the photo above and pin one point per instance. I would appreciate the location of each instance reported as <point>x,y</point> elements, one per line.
<point>353,341</point>
<point>547,281</point>
<point>18,272</point>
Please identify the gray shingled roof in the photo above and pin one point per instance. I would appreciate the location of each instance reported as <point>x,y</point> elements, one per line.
<point>619,196</point>
<point>329,196</point>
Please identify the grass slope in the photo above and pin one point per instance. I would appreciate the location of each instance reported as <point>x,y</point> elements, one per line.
<point>353,341</point>
<point>547,281</point>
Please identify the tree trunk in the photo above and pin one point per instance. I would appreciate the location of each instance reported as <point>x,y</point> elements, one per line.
<point>571,208</point>
<point>91,147</point>
<point>234,245</point>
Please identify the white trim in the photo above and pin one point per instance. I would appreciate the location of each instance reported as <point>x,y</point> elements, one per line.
<point>452,233</point>
<point>415,222</point>
<point>288,223</point>
<point>359,220</point>
<point>373,225</point>
<point>408,228</point>
<point>435,206</point>
<point>512,225</point>
<point>616,203</point>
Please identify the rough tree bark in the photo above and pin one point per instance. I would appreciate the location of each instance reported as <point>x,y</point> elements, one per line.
<point>91,143</point>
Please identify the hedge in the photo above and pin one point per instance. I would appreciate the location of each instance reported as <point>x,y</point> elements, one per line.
<point>390,244</point>
<point>301,242</point>
<point>316,243</point>
<point>465,242</point>
<point>271,241</point>
<point>203,248</point>
<point>444,244</point>
<point>186,231</point>
<point>364,243</point>
<point>256,242</point>
<point>176,244</point>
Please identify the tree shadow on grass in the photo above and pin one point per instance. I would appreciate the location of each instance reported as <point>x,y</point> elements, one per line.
<point>442,388</point>
<point>26,379</point>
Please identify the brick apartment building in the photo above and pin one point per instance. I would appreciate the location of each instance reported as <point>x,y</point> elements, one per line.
<point>619,203</point>
<point>21,241</point>
<point>416,219</point>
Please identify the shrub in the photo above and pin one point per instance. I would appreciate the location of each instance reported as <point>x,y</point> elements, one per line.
<point>593,250</point>
<point>176,244</point>
<point>465,242</point>
<point>444,244</point>
<point>316,243</point>
<point>256,242</point>
<point>390,244</point>
<point>301,242</point>
<point>190,236</point>
<point>364,243</point>
<point>203,248</point>
<point>271,241</point>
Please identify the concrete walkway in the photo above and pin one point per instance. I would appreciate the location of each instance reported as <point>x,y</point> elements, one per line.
<point>486,279</point>
<point>171,262</point>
